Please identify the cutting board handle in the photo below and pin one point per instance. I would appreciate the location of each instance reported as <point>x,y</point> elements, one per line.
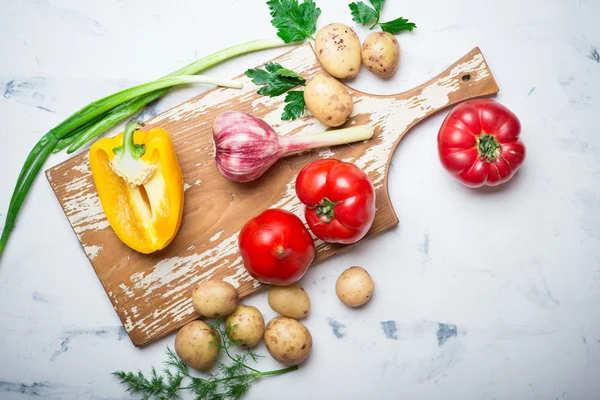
<point>394,115</point>
<point>470,75</point>
<point>467,78</point>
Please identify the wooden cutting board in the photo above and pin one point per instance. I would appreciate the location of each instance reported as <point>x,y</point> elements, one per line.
<point>151,293</point>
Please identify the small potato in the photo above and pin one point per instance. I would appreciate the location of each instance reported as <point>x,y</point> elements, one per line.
<point>291,301</point>
<point>287,340</point>
<point>328,100</point>
<point>197,344</point>
<point>354,287</point>
<point>212,299</point>
<point>250,325</point>
<point>338,50</point>
<point>381,53</point>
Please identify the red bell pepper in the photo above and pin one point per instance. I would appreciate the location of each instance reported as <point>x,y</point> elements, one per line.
<point>339,199</point>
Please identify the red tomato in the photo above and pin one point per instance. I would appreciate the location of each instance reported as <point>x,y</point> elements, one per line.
<point>479,143</point>
<point>339,198</point>
<point>276,247</point>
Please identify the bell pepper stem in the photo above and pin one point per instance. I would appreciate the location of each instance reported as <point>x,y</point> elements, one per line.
<point>129,147</point>
<point>326,209</point>
<point>127,163</point>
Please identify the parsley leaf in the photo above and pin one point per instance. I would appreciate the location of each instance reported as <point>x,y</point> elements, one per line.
<point>397,25</point>
<point>289,73</point>
<point>294,105</point>
<point>377,4</point>
<point>364,15</point>
<point>294,21</point>
<point>273,67</point>
<point>258,76</point>
<point>276,79</point>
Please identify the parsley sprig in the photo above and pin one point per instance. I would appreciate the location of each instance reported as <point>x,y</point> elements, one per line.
<point>365,15</point>
<point>231,381</point>
<point>277,80</point>
<point>294,21</point>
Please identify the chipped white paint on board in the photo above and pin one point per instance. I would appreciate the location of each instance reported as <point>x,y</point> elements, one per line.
<point>92,251</point>
<point>215,236</point>
<point>170,278</point>
<point>82,204</point>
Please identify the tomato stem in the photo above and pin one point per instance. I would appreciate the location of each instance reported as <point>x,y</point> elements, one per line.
<point>280,252</point>
<point>487,147</point>
<point>325,209</point>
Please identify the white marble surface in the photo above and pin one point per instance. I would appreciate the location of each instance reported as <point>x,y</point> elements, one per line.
<point>494,294</point>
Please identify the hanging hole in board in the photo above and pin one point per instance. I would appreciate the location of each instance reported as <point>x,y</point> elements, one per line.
<point>466,78</point>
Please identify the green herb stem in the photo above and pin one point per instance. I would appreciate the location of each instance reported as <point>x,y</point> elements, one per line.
<point>31,157</point>
<point>35,160</point>
<point>230,52</point>
<point>375,24</point>
<point>112,118</point>
<point>99,107</point>
<point>67,140</point>
<point>129,108</point>
<point>257,375</point>
<point>72,136</point>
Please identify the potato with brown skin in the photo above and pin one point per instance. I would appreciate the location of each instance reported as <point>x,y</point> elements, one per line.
<point>246,325</point>
<point>212,299</point>
<point>197,344</point>
<point>381,54</point>
<point>328,100</point>
<point>290,301</point>
<point>338,50</point>
<point>287,340</point>
<point>354,286</point>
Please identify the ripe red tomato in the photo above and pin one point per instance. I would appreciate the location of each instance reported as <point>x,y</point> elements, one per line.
<point>479,143</point>
<point>339,198</point>
<point>276,247</point>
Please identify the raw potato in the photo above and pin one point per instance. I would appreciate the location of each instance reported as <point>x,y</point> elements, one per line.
<point>354,287</point>
<point>250,325</point>
<point>381,53</point>
<point>328,100</point>
<point>291,301</point>
<point>214,298</point>
<point>338,50</point>
<point>195,344</point>
<point>287,340</point>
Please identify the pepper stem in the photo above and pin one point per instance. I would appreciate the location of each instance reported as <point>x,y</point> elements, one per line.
<point>127,163</point>
<point>487,147</point>
<point>136,150</point>
<point>325,209</point>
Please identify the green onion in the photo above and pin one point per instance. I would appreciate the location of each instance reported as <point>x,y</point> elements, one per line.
<point>48,142</point>
<point>99,116</point>
<point>127,109</point>
<point>70,138</point>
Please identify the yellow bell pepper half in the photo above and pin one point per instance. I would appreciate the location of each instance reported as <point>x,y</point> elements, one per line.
<point>140,186</point>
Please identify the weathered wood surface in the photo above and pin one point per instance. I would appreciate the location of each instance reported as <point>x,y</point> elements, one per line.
<point>151,293</point>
